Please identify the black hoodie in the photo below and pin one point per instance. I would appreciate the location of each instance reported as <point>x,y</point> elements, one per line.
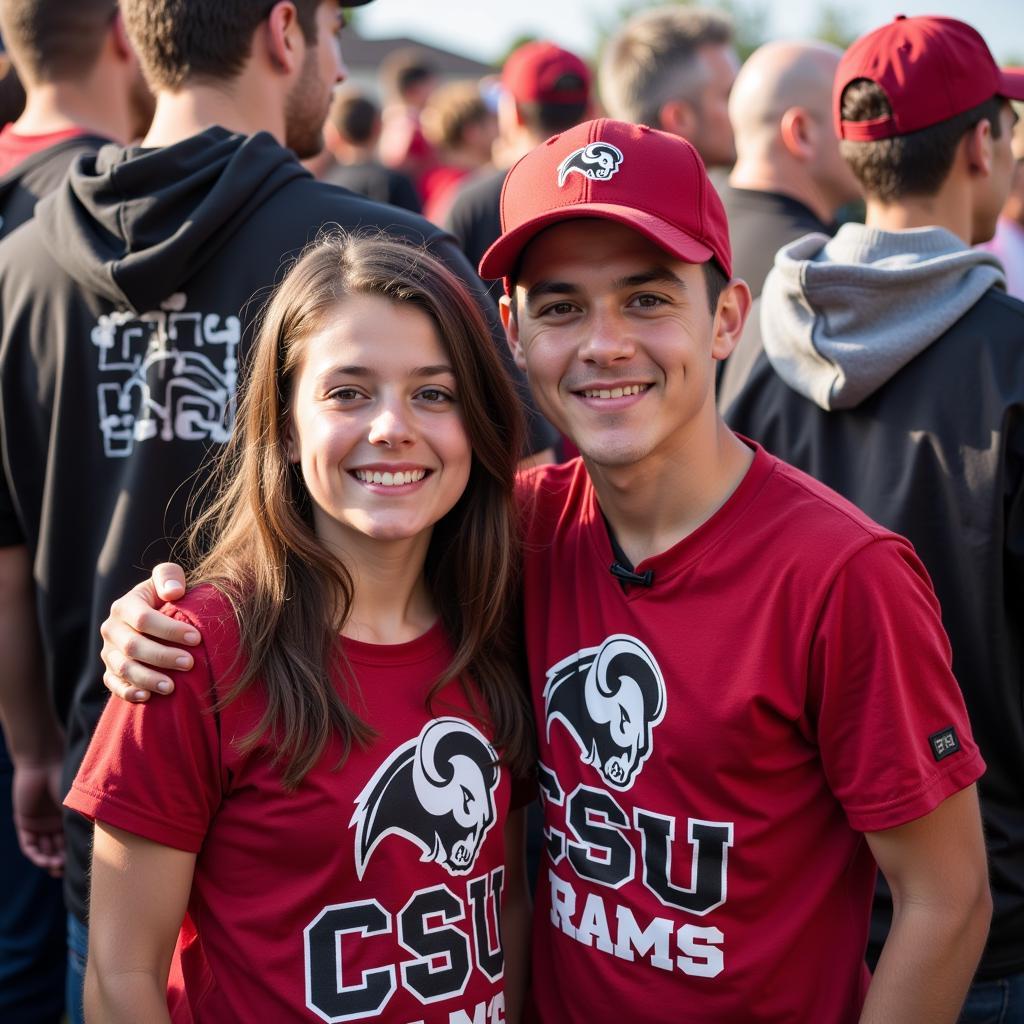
<point>125,317</point>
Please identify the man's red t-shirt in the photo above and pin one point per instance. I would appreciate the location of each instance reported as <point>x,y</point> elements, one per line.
<point>713,746</point>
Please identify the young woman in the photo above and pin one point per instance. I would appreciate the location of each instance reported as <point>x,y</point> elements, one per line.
<point>327,801</point>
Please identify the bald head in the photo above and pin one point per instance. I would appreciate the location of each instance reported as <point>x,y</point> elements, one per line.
<point>775,78</point>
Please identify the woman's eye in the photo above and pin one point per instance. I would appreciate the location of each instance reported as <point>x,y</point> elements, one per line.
<point>435,395</point>
<point>345,394</point>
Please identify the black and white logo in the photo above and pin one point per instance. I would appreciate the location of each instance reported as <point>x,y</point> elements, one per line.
<point>610,698</point>
<point>944,743</point>
<point>436,791</point>
<point>597,161</point>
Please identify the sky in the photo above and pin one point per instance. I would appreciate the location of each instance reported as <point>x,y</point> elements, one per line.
<point>484,28</point>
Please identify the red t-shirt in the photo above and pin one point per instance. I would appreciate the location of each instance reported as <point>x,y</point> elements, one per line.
<point>368,893</point>
<point>15,148</point>
<point>714,745</point>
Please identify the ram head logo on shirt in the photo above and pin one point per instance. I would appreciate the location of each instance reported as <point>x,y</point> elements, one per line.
<point>609,698</point>
<point>436,791</point>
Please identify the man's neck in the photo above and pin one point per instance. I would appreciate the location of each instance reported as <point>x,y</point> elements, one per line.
<point>194,109</point>
<point>789,180</point>
<point>941,210</point>
<point>61,106</point>
<point>653,504</point>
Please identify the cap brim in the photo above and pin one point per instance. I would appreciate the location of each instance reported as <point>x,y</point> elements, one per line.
<point>1012,83</point>
<point>501,258</point>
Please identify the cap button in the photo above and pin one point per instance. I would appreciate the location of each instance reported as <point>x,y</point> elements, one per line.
<point>900,17</point>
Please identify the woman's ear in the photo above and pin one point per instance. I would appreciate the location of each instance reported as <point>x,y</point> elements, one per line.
<point>292,450</point>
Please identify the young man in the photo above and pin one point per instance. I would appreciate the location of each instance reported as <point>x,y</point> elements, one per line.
<point>889,364</point>
<point>742,688</point>
<point>82,88</point>
<point>126,307</point>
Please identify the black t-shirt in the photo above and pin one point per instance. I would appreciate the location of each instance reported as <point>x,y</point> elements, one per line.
<point>127,308</point>
<point>38,175</point>
<point>375,181</point>
<point>761,223</point>
<point>475,218</point>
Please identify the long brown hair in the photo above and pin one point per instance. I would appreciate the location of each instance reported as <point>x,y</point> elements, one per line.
<point>291,596</point>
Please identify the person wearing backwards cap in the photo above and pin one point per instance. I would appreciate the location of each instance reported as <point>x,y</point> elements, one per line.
<point>544,90</point>
<point>889,363</point>
<point>741,684</point>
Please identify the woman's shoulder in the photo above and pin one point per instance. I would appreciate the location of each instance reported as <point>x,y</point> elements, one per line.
<point>213,614</point>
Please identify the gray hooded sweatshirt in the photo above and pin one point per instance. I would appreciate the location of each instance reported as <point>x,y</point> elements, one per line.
<point>837,347</point>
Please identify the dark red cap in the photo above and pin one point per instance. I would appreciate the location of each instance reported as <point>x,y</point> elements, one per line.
<point>645,179</point>
<point>930,69</point>
<point>540,72</point>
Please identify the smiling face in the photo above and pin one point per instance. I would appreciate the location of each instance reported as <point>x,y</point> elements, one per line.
<point>618,341</point>
<point>375,425</point>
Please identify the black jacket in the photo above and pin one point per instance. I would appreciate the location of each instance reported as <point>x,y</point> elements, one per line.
<point>937,454</point>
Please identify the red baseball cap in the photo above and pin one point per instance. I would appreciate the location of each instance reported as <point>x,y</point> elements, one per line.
<point>645,179</point>
<point>540,72</point>
<point>930,69</point>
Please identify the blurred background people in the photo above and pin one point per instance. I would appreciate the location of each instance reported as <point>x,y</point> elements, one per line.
<point>351,135</point>
<point>83,87</point>
<point>407,78</point>
<point>462,128</point>
<point>672,68</point>
<point>789,179</point>
<point>544,90</point>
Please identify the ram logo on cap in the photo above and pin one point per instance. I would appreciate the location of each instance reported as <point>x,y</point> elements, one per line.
<point>598,161</point>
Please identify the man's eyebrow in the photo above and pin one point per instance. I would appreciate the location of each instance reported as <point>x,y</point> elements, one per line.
<point>650,276</point>
<point>551,287</point>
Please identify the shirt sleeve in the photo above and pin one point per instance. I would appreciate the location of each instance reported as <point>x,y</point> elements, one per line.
<point>153,769</point>
<point>893,732</point>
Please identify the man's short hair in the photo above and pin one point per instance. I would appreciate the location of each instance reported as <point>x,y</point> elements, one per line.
<point>55,40</point>
<point>451,109</point>
<point>404,69</point>
<point>544,119</point>
<point>180,41</point>
<point>915,164</point>
<point>652,59</point>
<point>355,117</point>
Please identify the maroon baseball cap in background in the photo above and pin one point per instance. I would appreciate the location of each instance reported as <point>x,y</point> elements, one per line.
<point>645,179</point>
<point>930,69</point>
<point>540,72</point>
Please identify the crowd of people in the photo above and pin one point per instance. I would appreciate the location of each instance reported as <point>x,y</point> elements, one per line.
<point>587,511</point>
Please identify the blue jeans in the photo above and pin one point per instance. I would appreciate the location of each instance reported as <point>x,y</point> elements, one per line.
<point>31,926</point>
<point>78,946</point>
<point>995,1002</point>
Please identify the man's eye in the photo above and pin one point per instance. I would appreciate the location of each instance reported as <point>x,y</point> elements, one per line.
<point>648,301</point>
<point>559,309</point>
